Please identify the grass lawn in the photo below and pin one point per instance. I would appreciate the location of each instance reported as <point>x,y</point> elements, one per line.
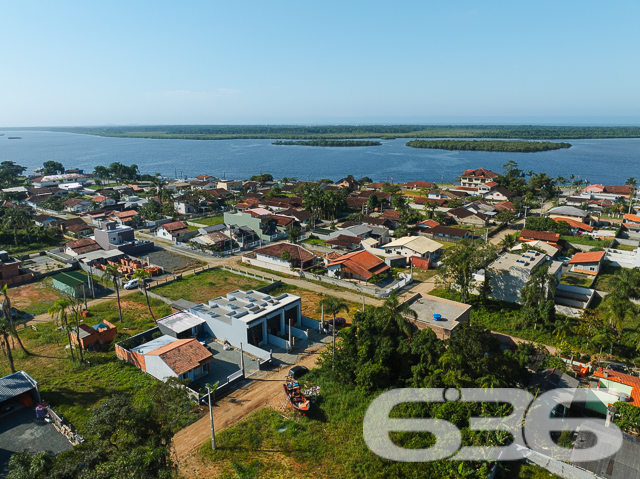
<point>602,282</point>
<point>210,220</point>
<point>318,242</point>
<point>327,443</point>
<point>208,285</point>
<point>625,247</point>
<point>585,282</point>
<point>581,240</point>
<point>73,389</point>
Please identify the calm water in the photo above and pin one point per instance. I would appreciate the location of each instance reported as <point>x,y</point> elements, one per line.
<point>599,161</point>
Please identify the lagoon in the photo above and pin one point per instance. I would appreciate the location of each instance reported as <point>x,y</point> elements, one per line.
<point>609,161</point>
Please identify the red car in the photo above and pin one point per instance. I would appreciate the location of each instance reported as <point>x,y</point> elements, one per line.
<point>340,322</point>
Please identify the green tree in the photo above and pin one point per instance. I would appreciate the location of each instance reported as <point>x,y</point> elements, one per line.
<point>59,311</point>
<point>334,306</point>
<point>15,219</point>
<point>535,295</point>
<point>398,312</point>
<point>5,332</point>
<point>6,311</point>
<point>28,465</point>
<point>142,275</point>
<point>114,275</point>
<point>52,167</point>
<point>373,203</point>
<point>294,233</point>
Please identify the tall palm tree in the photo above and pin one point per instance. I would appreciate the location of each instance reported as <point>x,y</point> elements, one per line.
<point>6,311</point>
<point>334,306</point>
<point>5,329</point>
<point>617,310</point>
<point>59,310</point>
<point>509,241</point>
<point>142,275</point>
<point>398,312</point>
<point>15,220</point>
<point>114,275</point>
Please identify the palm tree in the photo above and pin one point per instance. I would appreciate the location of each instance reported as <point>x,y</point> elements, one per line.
<point>563,328</point>
<point>509,241</point>
<point>142,275</point>
<point>334,306</point>
<point>5,329</point>
<point>617,310</point>
<point>15,220</point>
<point>491,381</point>
<point>59,309</point>
<point>625,284</point>
<point>114,275</point>
<point>6,311</point>
<point>398,312</point>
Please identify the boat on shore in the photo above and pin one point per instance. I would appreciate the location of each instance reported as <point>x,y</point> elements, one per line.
<point>296,398</point>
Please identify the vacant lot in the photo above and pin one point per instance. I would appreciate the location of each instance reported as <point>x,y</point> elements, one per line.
<point>209,220</point>
<point>171,262</point>
<point>311,301</point>
<point>202,287</point>
<point>34,298</point>
<point>73,389</point>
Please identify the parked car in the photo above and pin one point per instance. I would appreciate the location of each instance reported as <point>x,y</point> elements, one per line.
<point>133,284</point>
<point>340,322</point>
<point>297,371</point>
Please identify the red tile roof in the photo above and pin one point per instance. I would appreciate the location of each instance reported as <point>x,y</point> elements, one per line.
<point>617,189</point>
<point>297,253</point>
<point>576,224</point>
<point>429,223</point>
<point>391,214</point>
<point>634,218</point>
<point>622,378</point>
<point>504,205</point>
<point>589,257</point>
<point>183,355</point>
<point>540,235</point>
<point>99,198</point>
<point>356,202</point>
<point>174,227</point>
<point>282,220</point>
<point>479,173</point>
<point>125,214</point>
<point>362,263</point>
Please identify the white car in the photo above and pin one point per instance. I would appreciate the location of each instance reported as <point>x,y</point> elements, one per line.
<point>132,284</point>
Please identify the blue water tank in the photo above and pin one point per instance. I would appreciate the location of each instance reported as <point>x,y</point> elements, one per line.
<point>437,317</point>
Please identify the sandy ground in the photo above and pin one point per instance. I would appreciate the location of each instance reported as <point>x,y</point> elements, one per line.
<point>264,390</point>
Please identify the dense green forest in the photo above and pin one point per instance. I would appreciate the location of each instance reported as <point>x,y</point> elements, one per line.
<point>324,142</point>
<point>220,132</point>
<point>489,145</point>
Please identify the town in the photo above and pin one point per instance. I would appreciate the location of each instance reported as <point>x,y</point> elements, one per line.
<point>155,320</point>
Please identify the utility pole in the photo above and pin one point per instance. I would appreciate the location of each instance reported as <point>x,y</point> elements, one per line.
<point>213,432</point>
<point>525,213</point>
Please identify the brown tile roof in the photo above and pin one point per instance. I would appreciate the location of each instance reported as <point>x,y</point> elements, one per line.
<point>332,256</point>
<point>71,202</point>
<point>362,263</point>
<point>297,253</point>
<point>174,227</point>
<point>344,240</point>
<point>77,228</point>
<point>84,245</point>
<point>183,355</point>
<point>419,184</point>
<point>99,198</point>
<point>282,220</point>
<point>356,202</point>
<point>126,214</point>
<point>589,257</point>
<point>300,215</point>
<point>370,220</point>
<point>461,212</point>
<point>429,223</point>
<point>540,235</point>
<point>391,214</point>
<point>617,189</point>
<point>504,205</point>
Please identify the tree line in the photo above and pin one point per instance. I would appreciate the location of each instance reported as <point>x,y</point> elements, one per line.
<point>325,142</point>
<point>358,131</point>
<point>489,145</point>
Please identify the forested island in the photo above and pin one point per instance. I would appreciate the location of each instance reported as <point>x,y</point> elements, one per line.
<point>324,142</point>
<point>295,132</point>
<point>489,145</point>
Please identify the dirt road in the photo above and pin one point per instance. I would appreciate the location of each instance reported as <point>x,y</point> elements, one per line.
<point>264,390</point>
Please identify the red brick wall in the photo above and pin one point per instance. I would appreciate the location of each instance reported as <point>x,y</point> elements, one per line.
<point>134,358</point>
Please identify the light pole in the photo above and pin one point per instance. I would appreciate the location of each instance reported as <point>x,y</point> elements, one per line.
<point>213,432</point>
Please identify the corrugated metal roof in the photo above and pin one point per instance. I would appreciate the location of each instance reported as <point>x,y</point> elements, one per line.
<point>15,384</point>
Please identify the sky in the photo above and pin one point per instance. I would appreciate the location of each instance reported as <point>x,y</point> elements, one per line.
<point>69,63</point>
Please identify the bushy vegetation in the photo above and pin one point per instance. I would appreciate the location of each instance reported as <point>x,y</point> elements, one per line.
<point>332,143</point>
<point>489,145</point>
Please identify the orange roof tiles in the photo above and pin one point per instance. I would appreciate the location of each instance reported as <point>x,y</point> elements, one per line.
<point>622,378</point>
<point>183,355</point>
<point>576,224</point>
<point>590,257</point>
<point>539,235</point>
<point>634,218</point>
<point>362,263</point>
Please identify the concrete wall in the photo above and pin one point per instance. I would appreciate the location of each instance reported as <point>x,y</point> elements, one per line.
<point>269,263</point>
<point>158,368</point>
<point>310,323</point>
<point>279,342</point>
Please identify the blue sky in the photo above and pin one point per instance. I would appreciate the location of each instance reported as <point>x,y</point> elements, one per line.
<point>273,62</point>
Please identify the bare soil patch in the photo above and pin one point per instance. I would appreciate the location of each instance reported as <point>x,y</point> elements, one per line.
<point>172,262</point>
<point>25,297</point>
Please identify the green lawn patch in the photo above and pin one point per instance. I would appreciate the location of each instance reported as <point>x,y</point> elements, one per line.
<point>625,247</point>
<point>210,220</point>
<point>584,282</point>
<point>204,286</point>
<point>583,240</point>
